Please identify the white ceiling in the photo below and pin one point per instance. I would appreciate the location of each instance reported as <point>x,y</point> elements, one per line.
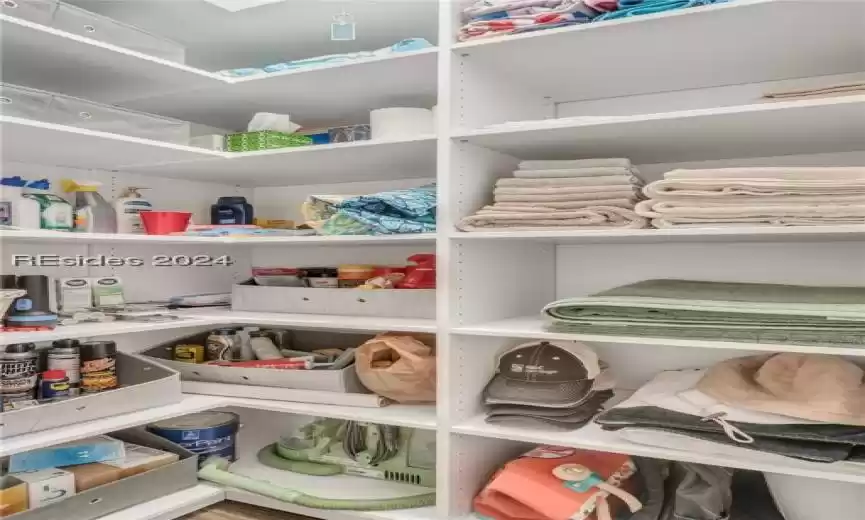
<point>217,38</point>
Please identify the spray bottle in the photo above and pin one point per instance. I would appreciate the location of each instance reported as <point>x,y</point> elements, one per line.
<point>128,207</point>
<point>93,214</point>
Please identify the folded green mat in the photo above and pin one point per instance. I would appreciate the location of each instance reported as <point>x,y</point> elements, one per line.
<point>749,312</point>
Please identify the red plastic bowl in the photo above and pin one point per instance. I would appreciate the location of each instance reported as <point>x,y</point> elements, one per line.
<point>164,222</point>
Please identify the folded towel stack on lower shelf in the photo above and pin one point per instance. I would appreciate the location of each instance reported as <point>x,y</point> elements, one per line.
<point>744,312</point>
<point>563,195</point>
<point>731,197</point>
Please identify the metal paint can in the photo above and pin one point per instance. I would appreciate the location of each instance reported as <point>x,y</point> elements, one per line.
<point>18,375</point>
<point>203,433</point>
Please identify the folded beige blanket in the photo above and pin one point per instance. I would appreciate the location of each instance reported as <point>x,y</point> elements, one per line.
<point>599,171</point>
<point>605,180</point>
<point>620,162</point>
<point>680,222</point>
<point>732,187</point>
<point>492,217</point>
<point>562,190</point>
<point>774,172</point>
<point>674,209</point>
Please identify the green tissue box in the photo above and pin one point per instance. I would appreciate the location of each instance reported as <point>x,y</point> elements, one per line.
<point>264,140</point>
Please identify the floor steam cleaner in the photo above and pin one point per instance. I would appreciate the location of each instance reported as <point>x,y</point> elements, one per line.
<point>334,447</point>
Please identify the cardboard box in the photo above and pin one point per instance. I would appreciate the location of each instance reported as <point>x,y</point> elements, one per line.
<point>139,459</point>
<point>47,486</point>
<point>89,476</point>
<point>13,496</point>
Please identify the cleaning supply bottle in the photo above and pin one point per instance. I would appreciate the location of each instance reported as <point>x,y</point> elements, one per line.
<point>422,275</point>
<point>128,207</point>
<point>55,212</point>
<point>93,214</point>
<point>231,211</point>
<point>16,209</point>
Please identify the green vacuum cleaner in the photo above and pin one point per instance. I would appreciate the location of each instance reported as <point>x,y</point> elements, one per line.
<point>334,447</point>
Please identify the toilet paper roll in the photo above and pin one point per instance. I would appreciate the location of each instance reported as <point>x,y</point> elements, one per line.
<point>400,123</point>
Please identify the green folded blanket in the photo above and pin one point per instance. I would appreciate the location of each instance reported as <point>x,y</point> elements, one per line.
<point>750,312</point>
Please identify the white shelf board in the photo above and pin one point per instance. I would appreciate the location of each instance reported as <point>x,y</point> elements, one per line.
<point>373,160</point>
<point>411,416</point>
<point>705,234</point>
<point>768,45</point>
<point>534,327</point>
<point>96,238</point>
<point>35,142</point>
<point>32,441</point>
<point>768,129</point>
<point>315,321</point>
<point>49,59</point>
<point>112,328</point>
<point>172,506</point>
<point>329,95</point>
<point>246,497</point>
<point>592,437</point>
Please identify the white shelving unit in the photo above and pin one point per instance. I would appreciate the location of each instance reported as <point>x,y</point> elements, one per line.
<point>682,89</point>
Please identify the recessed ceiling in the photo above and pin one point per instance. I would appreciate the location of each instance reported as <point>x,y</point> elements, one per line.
<point>217,38</point>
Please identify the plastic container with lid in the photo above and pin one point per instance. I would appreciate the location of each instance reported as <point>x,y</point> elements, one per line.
<point>16,209</point>
<point>55,385</point>
<point>65,355</point>
<point>351,276</point>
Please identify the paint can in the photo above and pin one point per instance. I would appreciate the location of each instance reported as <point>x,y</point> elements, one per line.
<point>98,366</point>
<point>205,433</point>
<point>18,373</point>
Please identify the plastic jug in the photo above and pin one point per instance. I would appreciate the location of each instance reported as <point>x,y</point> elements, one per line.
<point>422,275</point>
<point>231,211</point>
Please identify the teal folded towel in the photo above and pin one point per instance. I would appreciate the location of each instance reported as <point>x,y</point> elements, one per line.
<point>628,8</point>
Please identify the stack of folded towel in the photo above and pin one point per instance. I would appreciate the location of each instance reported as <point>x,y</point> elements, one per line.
<point>730,197</point>
<point>749,312</point>
<point>487,18</point>
<point>563,195</point>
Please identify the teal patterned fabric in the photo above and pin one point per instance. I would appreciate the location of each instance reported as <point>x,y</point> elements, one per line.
<point>386,213</point>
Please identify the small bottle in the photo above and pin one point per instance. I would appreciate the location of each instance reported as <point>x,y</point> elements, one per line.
<point>263,346</point>
<point>98,366</point>
<point>55,385</point>
<point>128,208</point>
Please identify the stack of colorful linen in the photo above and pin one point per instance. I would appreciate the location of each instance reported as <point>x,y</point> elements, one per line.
<point>563,195</point>
<point>487,18</point>
<point>730,197</point>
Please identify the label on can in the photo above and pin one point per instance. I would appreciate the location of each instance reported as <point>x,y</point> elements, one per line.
<point>98,375</point>
<point>18,377</point>
<point>69,363</point>
<point>205,433</point>
<point>55,389</point>
<point>189,353</point>
<point>219,348</point>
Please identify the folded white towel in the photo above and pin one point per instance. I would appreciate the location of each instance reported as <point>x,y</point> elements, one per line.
<point>622,193</point>
<point>680,222</point>
<point>605,180</point>
<point>574,163</point>
<point>492,217</point>
<point>561,190</point>
<point>576,204</point>
<point>599,171</point>
<point>779,173</point>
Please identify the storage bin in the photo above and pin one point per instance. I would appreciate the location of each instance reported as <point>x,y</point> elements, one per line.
<point>344,381</point>
<point>50,107</point>
<point>394,303</point>
<point>108,498</point>
<point>74,20</point>
<point>145,384</point>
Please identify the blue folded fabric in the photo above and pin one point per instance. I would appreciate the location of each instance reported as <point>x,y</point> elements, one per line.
<point>628,8</point>
<point>386,213</point>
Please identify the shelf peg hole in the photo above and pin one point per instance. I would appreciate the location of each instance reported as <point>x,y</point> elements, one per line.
<point>10,4</point>
<point>89,28</point>
<point>5,100</point>
<point>85,115</point>
<point>361,300</point>
<point>95,501</point>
